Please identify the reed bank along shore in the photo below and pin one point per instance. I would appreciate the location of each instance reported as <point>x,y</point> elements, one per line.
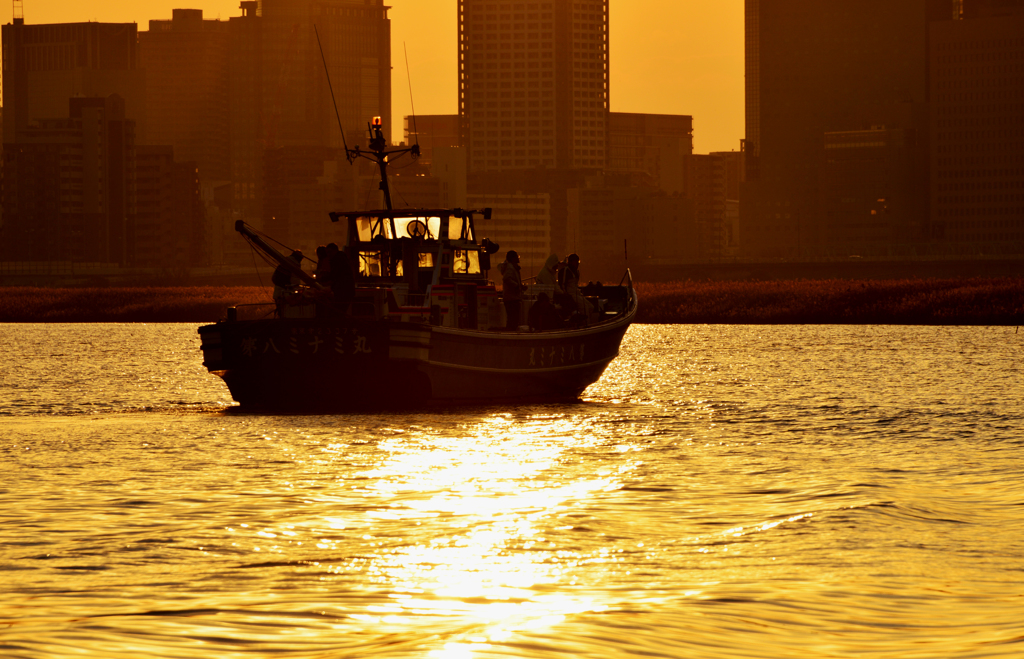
<point>973,301</point>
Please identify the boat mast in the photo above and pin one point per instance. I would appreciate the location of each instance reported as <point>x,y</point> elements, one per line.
<point>381,154</point>
<point>379,151</point>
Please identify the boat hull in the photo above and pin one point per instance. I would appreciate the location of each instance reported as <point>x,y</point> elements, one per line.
<point>345,364</point>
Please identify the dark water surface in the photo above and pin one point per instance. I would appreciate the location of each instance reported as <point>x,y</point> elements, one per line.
<point>723,491</point>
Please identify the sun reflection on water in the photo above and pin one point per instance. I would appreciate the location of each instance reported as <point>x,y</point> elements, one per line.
<point>475,513</point>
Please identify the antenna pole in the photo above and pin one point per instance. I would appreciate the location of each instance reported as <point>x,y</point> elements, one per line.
<point>412,103</point>
<point>331,87</point>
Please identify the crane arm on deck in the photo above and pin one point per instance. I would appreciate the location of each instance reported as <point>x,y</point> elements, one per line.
<point>293,267</point>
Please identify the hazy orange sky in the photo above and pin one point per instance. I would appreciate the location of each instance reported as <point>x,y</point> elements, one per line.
<point>667,56</point>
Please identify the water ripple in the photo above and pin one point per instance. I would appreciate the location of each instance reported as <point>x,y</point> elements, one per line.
<point>722,492</point>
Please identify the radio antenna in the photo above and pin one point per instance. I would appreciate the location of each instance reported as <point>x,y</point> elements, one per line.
<point>412,103</point>
<point>331,87</point>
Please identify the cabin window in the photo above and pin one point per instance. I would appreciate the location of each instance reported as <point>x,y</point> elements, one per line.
<point>369,228</point>
<point>417,227</point>
<point>466,262</point>
<point>363,229</point>
<point>426,261</point>
<point>460,228</point>
<point>370,264</point>
<point>382,227</point>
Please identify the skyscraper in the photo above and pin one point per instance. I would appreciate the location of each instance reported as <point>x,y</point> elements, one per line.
<point>815,69</point>
<point>356,38</point>
<point>992,8</point>
<point>650,149</point>
<point>245,104</point>
<point>977,86</point>
<point>69,186</point>
<point>431,131</point>
<point>533,83</point>
<point>186,62</point>
<point>45,65</point>
<point>168,231</point>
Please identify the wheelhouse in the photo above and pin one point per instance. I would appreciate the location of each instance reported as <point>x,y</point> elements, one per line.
<point>418,247</point>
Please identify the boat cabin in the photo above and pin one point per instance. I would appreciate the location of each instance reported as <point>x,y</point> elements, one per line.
<point>426,263</point>
<point>421,247</point>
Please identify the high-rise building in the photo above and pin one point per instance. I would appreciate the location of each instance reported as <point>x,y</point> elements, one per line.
<point>977,186</point>
<point>712,181</point>
<point>69,186</point>
<point>519,221</point>
<point>297,105</point>
<point>45,65</point>
<point>430,131</point>
<point>205,91</point>
<point>609,237</point>
<point>819,68</point>
<point>868,189</point>
<point>245,105</point>
<point>650,149</point>
<point>154,236</point>
<point>168,231</point>
<point>533,83</point>
<point>302,185</point>
<point>992,8</point>
<point>186,62</point>
<point>449,166</point>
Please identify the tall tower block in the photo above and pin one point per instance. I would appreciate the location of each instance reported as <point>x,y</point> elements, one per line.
<point>533,83</point>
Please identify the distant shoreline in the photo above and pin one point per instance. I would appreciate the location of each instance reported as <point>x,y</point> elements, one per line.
<point>977,301</point>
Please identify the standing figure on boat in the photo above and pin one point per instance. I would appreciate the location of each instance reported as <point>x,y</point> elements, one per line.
<point>342,281</point>
<point>285,283</point>
<point>548,275</point>
<point>511,289</point>
<point>571,284</point>
<point>552,275</point>
<point>543,315</point>
<point>322,272</point>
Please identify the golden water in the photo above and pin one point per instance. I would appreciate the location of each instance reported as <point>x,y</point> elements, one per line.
<point>722,492</point>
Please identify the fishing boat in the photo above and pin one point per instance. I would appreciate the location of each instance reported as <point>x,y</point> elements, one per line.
<point>425,324</point>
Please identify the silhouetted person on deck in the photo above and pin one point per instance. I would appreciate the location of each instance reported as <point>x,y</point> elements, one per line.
<point>322,273</point>
<point>552,274</point>
<point>543,315</point>
<point>342,281</point>
<point>570,276</point>
<point>548,275</point>
<point>511,289</point>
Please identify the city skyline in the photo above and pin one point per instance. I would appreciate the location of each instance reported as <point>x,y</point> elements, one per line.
<point>649,70</point>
